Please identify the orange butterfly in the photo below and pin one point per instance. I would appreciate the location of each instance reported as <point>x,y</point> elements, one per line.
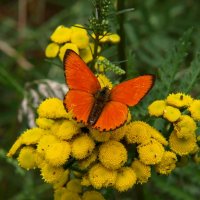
<point>101,108</point>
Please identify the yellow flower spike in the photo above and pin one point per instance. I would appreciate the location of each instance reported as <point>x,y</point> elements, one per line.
<point>52,108</point>
<point>126,178</point>
<point>51,174</point>
<point>171,114</point>
<point>62,181</point>
<point>44,123</point>
<point>167,163</point>
<point>80,38</point>
<point>26,158</point>
<point>100,176</point>
<point>99,136</point>
<point>104,81</point>
<point>65,47</point>
<point>195,110</point>
<point>52,50</point>
<point>92,195</point>
<point>86,54</point>
<point>74,185</point>
<point>151,153</point>
<point>185,127</point>
<point>179,100</point>
<point>137,133</point>
<point>182,146</point>
<point>58,153</point>
<point>142,171</point>
<point>99,67</point>
<point>114,38</point>
<point>61,34</point>
<point>157,108</point>
<point>85,181</point>
<point>112,154</point>
<point>82,147</point>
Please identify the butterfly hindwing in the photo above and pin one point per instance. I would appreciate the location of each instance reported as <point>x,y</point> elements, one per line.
<point>132,91</point>
<point>78,76</point>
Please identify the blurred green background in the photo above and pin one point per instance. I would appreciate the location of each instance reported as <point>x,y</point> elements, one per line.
<point>151,31</point>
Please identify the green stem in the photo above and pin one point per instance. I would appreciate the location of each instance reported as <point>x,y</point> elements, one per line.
<point>139,192</point>
<point>95,53</point>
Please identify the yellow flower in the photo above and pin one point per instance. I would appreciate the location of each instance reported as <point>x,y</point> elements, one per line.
<point>58,153</point>
<point>63,180</point>
<point>100,176</point>
<point>151,153</point>
<point>167,163</point>
<point>99,67</point>
<point>157,108</point>
<point>171,114</point>
<point>85,180</point>
<point>143,172</point>
<point>61,34</point>
<point>64,48</point>
<point>44,123</point>
<point>52,50</point>
<point>185,127</point>
<point>68,195</point>
<point>112,154</point>
<point>104,81</point>
<point>52,108</point>
<point>114,38</point>
<point>86,54</point>
<point>80,38</point>
<point>51,174</point>
<point>59,192</point>
<point>99,136</point>
<point>182,146</point>
<point>126,178</point>
<point>119,133</point>
<point>39,159</point>
<point>102,38</point>
<point>179,100</point>
<point>92,195</point>
<point>26,158</point>
<point>78,28</point>
<point>195,110</point>
<point>137,133</point>
<point>74,185</point>
<point>82,147</point>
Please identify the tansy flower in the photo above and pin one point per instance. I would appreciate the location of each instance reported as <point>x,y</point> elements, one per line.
<point>78,28</point>
<point>52,108</point>
<point>65,47</point>
<point>61,34</point>
<point>70,195</point>
<point>171,114</point>
<point>114,38</point>
<point>82,147</point>
<point>185,127</point>
<point>179,100</point>
<point>99,136</point>
<point>92,195</point>
<point>85,181</point>
<point>80,38</point>
<point>26,158</point>
<point>195,110</point>
<point>74,185</point>
<point>59,192</point>
<point>51,174</point>
<point>39,159</point>
<point>151,153</point>
<point>100,176</point>
<point>182,146</point>
<point>52,50</point>
<point>112,154</point>
<point>119,133</point>
<point>86,54</point>
<point>157,108</point>
<point>104,81</point>
<point>44,123</point>
<point>58,153</point>
<point>142,171</point>
<point>167,163</point>
<point>63,180</point>
<point>125,180</point>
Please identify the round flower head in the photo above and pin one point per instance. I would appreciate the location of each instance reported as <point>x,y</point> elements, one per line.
<point>100,176</point>
<point>74,185</point>
<point>85,180</point>
<point>80,38</point>
<point>119,133</point>
<point>65,47</point>
<point>82,147</point>
<point>52,108</point>
<point>92,195</point>
<point>112,154</point>
<point>179,100</point>
<point>86,54</point>
<point>125,180</point>
<point>51,174</point>
<point>151,153</point>
<point>26,158</point>
<point>143,172</point>
<point>114,38</point>
<point>70,195</point>
<point>137,133</point>
<point>61,34</point>
<point>59,192</point>
<point>99,136</point>
<point>63,180</point>
<point>171,114</point>
<point>185,127</point>
<point>195,110</point>
<point>52,50</point>
<point>167,163</point>
<point>182,146</point>
<point>104,81</point>
<point>39,159</point>
<point>58,153</point>
<point>18,143</point>
<point>78,28</point>
<point>157,108</point>
<point>44,123</point>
